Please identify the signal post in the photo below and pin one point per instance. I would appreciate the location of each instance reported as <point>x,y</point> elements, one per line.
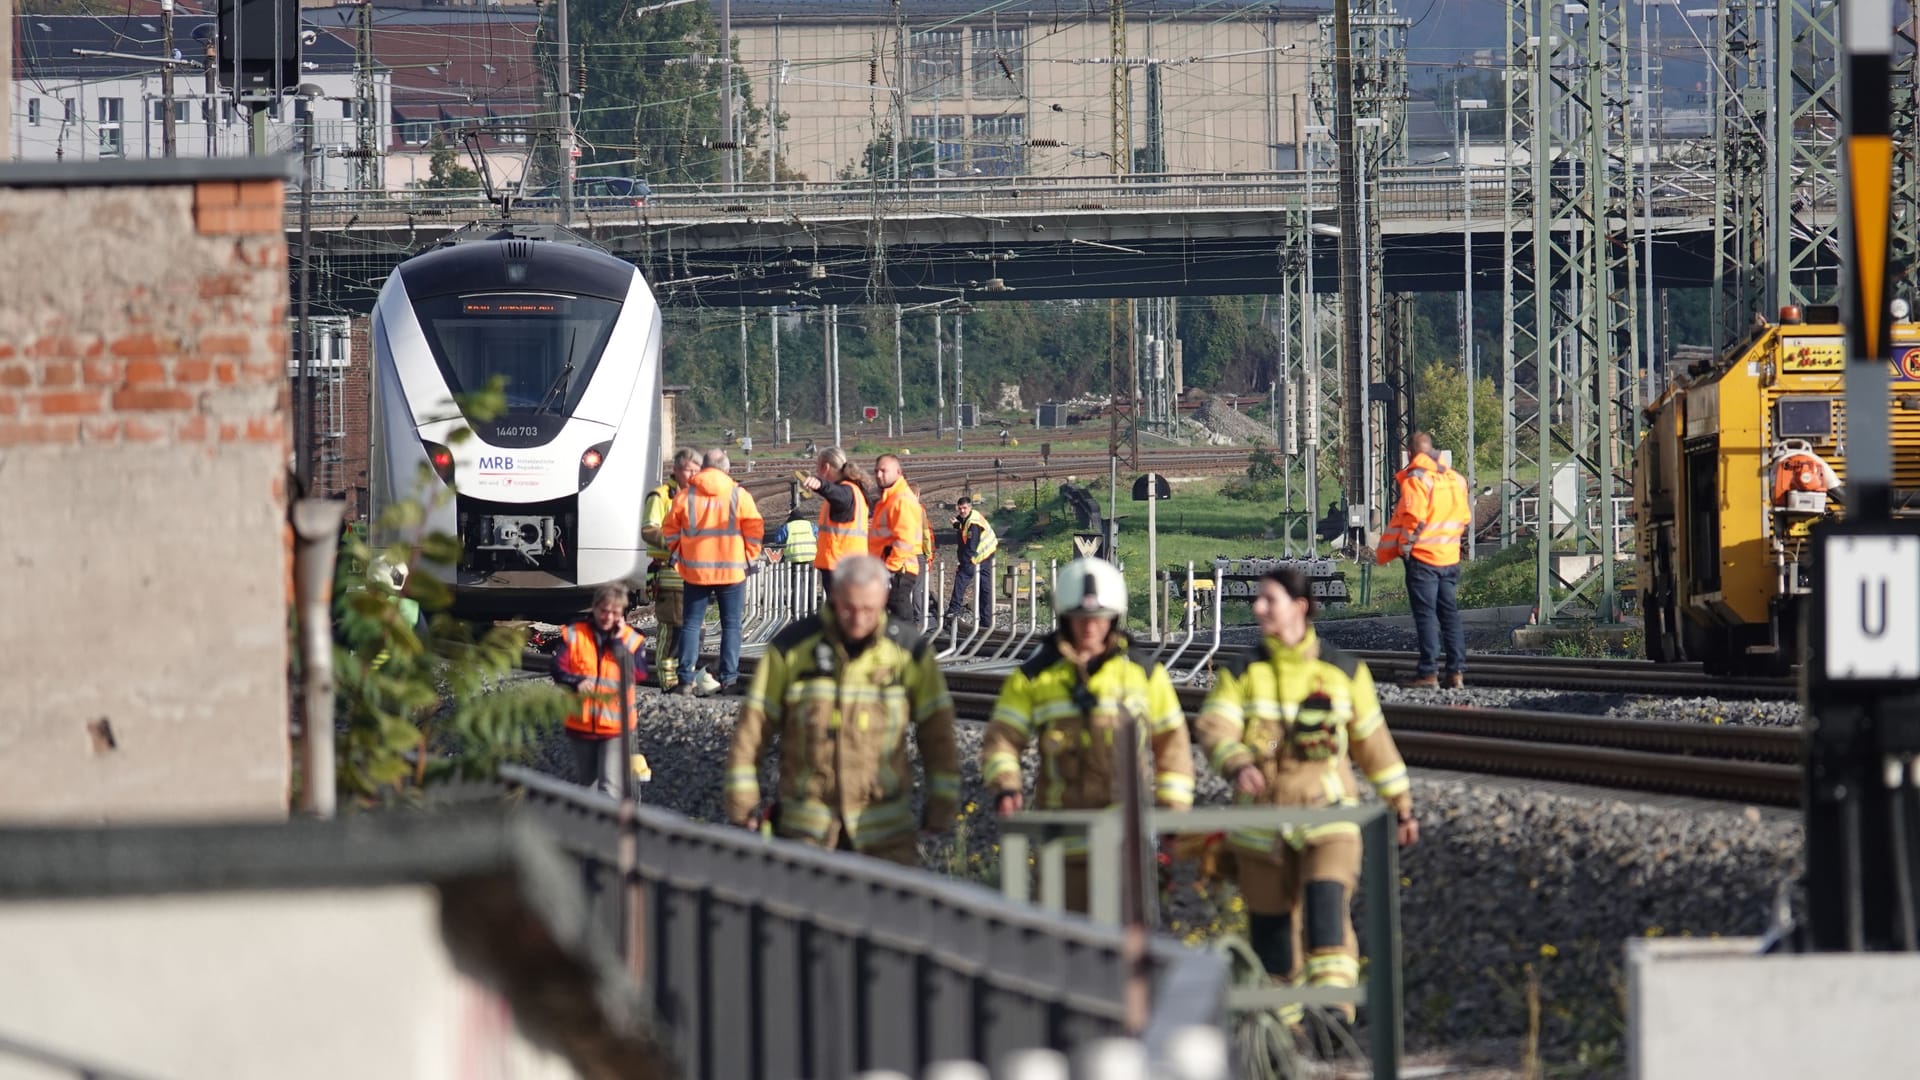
<point>1861,665</point>
<point>1830,993</point>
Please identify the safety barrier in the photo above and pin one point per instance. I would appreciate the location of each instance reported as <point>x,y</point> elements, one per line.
<point>1195,1054</point>
<point>1054,831</point>
<point>1192,609</point>
<point>768,960</point>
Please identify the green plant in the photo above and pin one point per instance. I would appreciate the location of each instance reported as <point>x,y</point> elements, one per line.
<point>409,710</point>
<point>1507,577</point>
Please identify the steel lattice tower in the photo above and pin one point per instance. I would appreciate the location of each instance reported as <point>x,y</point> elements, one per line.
<point>1572,335</point>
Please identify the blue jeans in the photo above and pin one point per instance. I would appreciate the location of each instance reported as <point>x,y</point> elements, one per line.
<point>1436,614</point>
<point>729,597</point>
<point>973,583</point>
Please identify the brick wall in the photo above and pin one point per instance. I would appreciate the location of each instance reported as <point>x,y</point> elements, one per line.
<point>143,453</point>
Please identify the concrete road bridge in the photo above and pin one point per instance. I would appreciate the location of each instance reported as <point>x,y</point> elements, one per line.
<point>1007,238</point>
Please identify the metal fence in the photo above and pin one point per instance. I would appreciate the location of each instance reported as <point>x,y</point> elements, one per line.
<point>773,961</point>
<point>1410,192</point>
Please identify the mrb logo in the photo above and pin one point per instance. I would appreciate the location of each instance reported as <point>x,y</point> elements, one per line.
<point>500,463</point>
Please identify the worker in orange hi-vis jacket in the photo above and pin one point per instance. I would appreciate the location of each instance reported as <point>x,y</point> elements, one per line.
<point>1432,517</point>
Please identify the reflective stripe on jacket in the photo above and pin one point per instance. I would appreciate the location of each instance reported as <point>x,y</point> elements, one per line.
<point>1077,761</point>
<point>714,530</point>
<point>598,671</point>
<point>898,522</point>
<point>1255,716</point>
<point>841,540</point>
<point>659,502</point>
<point>985,543</point>
<point>842,720</point>
<point>801,544</point>
<point>1432,517</point>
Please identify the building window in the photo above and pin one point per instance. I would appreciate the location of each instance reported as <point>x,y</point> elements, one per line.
<point>933,65</point>
<point>160,111</point>
<point>1000,145</point>
<point>111,142</point>
<point>413,132</point>
<point>346,109</point>
<point>936,139</point>
<point>71,110</point>
<point>33,112</point>
<point>997,57</point>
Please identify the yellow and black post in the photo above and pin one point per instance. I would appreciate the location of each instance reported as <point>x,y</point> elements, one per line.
<point>1861,667</point>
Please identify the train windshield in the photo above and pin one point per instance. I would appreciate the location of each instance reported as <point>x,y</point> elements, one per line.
<point>545,346</point>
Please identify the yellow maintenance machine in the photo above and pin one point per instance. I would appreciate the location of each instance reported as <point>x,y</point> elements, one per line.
<point>1738,460</point>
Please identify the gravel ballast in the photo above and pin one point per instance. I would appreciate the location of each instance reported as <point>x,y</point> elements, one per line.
<point>1507,879</point>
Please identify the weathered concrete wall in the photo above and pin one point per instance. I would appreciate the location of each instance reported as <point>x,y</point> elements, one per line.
<point>143,449</point>
<point>254,984</point>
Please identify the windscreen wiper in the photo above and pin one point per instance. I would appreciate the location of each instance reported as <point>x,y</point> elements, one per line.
<point>554,390</point>
<point>566,371</point>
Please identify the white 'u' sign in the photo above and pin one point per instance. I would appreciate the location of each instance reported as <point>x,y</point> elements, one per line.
<point>1872,607</point>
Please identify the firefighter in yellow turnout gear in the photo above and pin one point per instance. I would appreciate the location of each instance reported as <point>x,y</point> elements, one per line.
<point>664,582</point>
<point>1069,697</point>
<point>841,688</point>
<point>1281,730</point>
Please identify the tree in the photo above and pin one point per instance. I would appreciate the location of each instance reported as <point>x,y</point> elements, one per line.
<point>408,712</point>
<point>444,171</point>
<point>648,91</point>
<point>916,160</point>
<point>1440,398</point>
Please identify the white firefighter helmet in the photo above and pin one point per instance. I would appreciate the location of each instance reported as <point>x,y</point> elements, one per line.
<point>1090,587</point>
<point>390,573</point>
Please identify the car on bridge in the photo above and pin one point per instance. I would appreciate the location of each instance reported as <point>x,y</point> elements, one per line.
<point>594,193</point>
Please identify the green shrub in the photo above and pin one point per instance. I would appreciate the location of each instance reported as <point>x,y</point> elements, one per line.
<point>1509,576</point>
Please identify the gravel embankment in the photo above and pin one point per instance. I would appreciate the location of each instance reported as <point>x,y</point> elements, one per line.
<point>1505,879</point>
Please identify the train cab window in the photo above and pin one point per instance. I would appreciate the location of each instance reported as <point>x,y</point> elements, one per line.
<point>1803,418</point>
<point>545,346</point>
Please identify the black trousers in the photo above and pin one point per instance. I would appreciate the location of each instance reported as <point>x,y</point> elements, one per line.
<point>903,599</point>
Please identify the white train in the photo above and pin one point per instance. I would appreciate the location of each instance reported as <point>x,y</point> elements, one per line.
<point>546,498</point>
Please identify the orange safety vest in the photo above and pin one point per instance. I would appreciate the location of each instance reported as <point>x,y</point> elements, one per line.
<point>898,524</point>
<point>713,530</point>
<point>580,654</point>
<point>1432,518</point>
<point>1797,472</point>
<point>839,541</point>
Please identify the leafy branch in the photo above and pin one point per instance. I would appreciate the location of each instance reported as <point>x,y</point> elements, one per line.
<point>411,710</point>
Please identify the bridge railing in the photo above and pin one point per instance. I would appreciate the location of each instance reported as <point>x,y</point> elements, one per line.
<point>1414,191</point>
<point>773,960</point>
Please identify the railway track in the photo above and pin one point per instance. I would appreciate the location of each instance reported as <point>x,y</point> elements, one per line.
<point>941,474</point>
<point>1748,765</point>
<point>1599,676</point>
<point>1760,766</point>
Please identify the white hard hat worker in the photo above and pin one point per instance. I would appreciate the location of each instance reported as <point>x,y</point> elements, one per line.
<point>388,572</point>
<point>1090,589</point>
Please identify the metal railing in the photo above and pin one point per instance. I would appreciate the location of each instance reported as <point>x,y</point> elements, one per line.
<point>769,960</point>
<point>1053,831</point>
<point>1199,1054</point>
<point>1425,193</point>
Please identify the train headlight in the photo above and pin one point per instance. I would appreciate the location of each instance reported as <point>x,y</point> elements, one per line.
<point>591,461</point>
<point>441,459</point>
<point>1900,310</point>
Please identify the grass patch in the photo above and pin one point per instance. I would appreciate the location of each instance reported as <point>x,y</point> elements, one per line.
<point>1201,522</point>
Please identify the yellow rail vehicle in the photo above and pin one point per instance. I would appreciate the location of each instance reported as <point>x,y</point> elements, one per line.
<point>1737,462</point>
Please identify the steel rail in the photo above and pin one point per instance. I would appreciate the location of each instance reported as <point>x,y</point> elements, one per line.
<point>1762,766</point>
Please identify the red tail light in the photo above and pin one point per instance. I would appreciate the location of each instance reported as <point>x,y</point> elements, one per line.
<point>441,459</point>
<point>591,461</point>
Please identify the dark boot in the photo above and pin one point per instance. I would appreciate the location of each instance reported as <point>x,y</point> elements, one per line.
<point>1420,682</point>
